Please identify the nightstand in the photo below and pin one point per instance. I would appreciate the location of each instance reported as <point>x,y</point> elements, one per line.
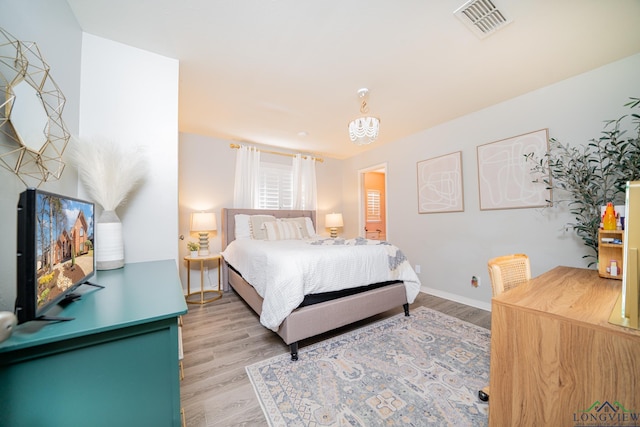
<point>202,292</point>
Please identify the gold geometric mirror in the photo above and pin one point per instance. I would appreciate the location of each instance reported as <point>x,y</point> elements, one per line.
<point>33,136</point>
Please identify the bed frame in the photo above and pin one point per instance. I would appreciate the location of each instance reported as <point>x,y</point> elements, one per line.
<point>311,320</point>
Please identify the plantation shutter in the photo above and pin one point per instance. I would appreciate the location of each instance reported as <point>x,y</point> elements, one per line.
<point>275,186</point>
<point>373,205</point>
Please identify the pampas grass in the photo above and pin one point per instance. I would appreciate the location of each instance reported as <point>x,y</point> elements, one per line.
<point>108,170</point>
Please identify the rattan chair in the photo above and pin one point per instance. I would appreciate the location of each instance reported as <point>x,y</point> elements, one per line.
<point>506,272</point>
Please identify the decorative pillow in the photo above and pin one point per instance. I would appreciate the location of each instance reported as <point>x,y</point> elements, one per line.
<point>282,230</point>
<point>243,226</point>
<point>301,223</point>
<point>311,230</point>
<point>257,226</point>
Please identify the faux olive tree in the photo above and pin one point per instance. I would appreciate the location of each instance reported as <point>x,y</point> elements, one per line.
<point>587,177</point>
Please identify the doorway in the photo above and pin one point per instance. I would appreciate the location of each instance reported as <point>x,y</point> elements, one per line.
<point>373,202</point>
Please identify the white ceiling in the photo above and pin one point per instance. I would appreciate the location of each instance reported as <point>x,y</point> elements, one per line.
<point>265,71</point>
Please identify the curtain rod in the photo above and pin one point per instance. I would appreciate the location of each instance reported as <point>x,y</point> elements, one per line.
<point>317,159</point>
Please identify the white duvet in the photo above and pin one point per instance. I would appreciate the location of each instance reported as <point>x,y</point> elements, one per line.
<point>284,271</point>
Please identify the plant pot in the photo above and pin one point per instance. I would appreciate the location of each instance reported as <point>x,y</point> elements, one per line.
<point>194,254</point>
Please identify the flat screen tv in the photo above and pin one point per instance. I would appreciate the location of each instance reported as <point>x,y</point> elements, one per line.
<point>54,251</point>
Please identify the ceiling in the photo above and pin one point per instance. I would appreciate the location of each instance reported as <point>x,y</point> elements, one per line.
<point>285,73</point>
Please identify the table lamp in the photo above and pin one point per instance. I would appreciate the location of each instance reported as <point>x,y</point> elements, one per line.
<point>203,223</point>
<point>333,221</point>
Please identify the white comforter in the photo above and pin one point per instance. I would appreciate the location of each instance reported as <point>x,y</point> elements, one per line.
<point>284,271</point>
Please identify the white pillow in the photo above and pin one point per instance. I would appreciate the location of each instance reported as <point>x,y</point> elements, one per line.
<point>310,228</point>
<point>243,226</point>
<point>282,230</point>
<point>257,226</point>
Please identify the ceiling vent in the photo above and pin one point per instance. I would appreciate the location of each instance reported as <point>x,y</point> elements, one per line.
<point>482,17</point>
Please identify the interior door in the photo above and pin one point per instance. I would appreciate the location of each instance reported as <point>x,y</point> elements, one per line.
<point>373,203</point>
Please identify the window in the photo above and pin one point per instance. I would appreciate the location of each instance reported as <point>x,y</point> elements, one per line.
<point>276,183</point>
<point>373,205</point>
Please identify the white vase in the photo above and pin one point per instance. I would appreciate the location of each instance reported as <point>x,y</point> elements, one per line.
<point>109,245</point>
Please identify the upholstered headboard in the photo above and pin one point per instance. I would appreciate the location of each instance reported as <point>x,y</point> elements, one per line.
<point>229,224</point>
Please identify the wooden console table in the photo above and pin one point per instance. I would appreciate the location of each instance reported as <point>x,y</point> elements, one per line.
<point>115,364</point>
<point>555,358</point>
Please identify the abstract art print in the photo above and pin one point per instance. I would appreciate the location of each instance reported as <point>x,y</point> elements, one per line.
<point>440,184</point>
<point>505,179</point>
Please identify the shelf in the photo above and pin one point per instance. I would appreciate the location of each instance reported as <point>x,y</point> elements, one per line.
<point>611,232</point>
<point>608,252</point>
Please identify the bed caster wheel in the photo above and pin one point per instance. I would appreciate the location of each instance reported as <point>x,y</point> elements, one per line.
<point>483,396</point>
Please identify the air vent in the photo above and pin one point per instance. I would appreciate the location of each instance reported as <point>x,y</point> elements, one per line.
<point>482,17</point>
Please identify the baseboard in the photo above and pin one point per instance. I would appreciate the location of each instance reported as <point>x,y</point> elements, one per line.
<point>457,298</point>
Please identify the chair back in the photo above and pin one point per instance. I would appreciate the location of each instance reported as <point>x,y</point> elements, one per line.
<point>508,271</point>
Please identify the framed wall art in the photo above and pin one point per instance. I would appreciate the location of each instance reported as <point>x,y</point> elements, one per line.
<point>440,184</point>
<point>505,178</point>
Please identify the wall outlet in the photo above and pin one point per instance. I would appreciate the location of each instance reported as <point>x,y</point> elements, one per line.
<point>475,281</point>
<point>417,269</point>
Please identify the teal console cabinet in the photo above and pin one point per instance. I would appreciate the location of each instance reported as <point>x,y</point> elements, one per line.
<point>115,364</point>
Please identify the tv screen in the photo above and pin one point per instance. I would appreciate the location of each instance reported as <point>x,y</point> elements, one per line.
<point>55,251</point>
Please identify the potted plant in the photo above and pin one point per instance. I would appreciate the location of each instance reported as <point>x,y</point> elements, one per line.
<point>193,248</point>
<point>590,176</point>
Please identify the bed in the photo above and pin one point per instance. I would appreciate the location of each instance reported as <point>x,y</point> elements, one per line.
<point>318,312</point>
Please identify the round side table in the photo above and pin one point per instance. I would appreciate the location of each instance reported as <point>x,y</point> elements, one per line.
<point>204,295</point>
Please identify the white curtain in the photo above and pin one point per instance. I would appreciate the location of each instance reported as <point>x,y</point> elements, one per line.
<point>304,182</point>
<point>247,183</point>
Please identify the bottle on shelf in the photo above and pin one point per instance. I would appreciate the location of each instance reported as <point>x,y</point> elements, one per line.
<point>609,218</point>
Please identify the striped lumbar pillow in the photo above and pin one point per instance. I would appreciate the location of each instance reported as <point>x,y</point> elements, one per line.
<point>280,230</point>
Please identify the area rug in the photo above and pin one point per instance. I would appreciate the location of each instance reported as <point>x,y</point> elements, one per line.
<point>421,370</point>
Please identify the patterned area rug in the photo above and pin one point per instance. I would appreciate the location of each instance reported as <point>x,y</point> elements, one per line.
<point>425,369</point>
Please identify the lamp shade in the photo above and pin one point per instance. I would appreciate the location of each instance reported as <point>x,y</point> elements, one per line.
<point>203,221</point>
<point>333,220</point>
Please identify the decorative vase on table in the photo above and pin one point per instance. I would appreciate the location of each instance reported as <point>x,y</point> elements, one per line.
<point>109,171</point>
<point>109,245</point>
<point>609,221</point>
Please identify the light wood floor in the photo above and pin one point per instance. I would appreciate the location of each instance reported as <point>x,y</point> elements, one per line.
<point>222,337</point>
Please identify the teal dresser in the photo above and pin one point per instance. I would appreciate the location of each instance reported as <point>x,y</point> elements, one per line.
<point>115,364</point>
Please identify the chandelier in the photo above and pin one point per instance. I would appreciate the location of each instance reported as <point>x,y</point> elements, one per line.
<point>364,130</point>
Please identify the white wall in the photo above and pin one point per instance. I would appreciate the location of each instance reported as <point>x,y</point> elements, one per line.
<point>453,247</point>
<point>207,173</point>
<point>52,25</point>
<point>130,96</point>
